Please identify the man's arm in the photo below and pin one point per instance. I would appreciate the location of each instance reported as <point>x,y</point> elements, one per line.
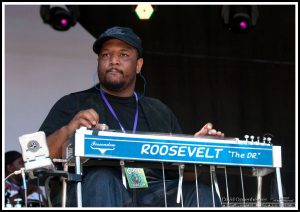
<point>86,118</point>
<point>56,140</point>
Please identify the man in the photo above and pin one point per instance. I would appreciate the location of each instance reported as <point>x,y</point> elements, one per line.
<point>14,184</point>
<point>114,102</point>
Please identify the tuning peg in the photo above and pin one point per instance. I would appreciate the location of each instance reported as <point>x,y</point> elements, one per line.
<point>269,140</point>
<point>258,139</point>
<point>252,138</point>
<point>264,140</point>
<point>246,137</point>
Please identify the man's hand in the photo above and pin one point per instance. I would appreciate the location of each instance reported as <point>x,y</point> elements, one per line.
<point>87,118</point>
<point>207,129</point>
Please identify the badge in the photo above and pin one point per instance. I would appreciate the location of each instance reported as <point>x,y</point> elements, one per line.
<point>136,177</point>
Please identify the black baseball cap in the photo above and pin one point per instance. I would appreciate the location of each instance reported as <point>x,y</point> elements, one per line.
<point>122,33</point>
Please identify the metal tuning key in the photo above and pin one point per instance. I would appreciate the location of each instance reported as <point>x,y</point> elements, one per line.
<point>252,139</point>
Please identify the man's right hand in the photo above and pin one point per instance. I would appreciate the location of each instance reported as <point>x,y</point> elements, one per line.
<point>85,118</point>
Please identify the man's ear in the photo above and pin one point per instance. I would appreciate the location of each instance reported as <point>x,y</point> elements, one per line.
<point>139,65</point>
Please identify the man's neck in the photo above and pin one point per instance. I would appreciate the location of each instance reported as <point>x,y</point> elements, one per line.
<point>123,93</point>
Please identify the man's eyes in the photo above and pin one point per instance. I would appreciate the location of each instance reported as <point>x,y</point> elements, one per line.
<point>124,55</point>
<point>104,55</point>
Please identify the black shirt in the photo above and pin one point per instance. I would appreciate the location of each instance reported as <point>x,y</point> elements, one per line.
<point>125,110</point>
<point>154,116</point>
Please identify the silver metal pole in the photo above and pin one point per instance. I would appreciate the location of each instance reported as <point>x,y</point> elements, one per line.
<point>64,188</point>
<point>279,185</point>
<point>164,181</point>
<point>197,188</point>
<point>242,182</point>
<point>212,186</point>
<point>179,192</point>
<point>227,192</point>
<point>122,164</point>
<point>79,191</point>
<point>259,189</point>
<point>216,183</point>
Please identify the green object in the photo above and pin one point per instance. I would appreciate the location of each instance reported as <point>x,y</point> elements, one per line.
<point>136,177</point>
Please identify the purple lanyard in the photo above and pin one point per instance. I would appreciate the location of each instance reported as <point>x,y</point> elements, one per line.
<point>114,114</point>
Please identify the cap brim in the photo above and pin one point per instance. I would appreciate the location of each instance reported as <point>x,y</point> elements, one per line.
<point>99,42</point>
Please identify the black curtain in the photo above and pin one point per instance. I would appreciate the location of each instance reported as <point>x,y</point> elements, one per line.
<point>244,83</point>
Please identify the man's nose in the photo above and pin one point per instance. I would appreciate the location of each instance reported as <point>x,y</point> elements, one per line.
<point>114,59</point>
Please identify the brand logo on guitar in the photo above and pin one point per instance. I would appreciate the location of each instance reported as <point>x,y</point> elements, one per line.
<point>102,147</point>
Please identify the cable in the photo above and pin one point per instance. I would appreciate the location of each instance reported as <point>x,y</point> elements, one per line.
<point>17,172</point>
<point>21,171</point>
<point>24,185</point>
<point>11,174</point>
<point>14,173</point>
<point>145,83</point>
<point>47,189</point>
<point>38,191</point>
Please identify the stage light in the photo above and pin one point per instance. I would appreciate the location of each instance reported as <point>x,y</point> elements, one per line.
<point>59,18</point>
<point>144,11</point>
<point>240,18</point>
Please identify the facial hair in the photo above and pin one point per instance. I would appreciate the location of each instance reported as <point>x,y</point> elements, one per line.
<point>114,85</point>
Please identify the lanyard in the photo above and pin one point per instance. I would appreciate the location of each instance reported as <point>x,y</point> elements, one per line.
<point>115,116</point>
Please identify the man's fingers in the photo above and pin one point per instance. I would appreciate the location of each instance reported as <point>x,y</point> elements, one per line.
<point>89,115</point>
<point>201,132</point>
<point>204,130</point>
<point>85,123</point>
<point>208,126</point>
<point>220,134</point>
<point>197,134</point>
<point>212,132</point>
<point>87,118</point>
<point>94,115</point>
<point>207,129</point>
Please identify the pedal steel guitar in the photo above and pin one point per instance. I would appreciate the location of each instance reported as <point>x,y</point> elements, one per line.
<point>258,158</point>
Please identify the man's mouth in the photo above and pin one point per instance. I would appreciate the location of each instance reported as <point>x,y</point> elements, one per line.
<point>114,70</point>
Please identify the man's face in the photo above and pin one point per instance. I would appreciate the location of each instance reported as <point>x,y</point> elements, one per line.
<point>118,65</point>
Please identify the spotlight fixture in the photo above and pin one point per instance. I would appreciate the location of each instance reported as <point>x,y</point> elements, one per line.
<point>60,18</point>
<point>240,18</point>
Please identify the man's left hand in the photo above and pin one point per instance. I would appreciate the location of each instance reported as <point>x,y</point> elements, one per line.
<point>207,130</point>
